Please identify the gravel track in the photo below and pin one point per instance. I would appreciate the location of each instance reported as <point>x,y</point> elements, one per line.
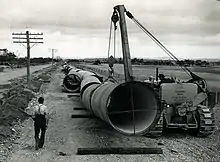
<point>66,134</point>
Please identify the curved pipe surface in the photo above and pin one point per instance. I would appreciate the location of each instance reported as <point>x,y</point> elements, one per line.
<point>71,83</point>
<point>74,71</point>
<point>66,69</point>
<point>77,77</point>
<point>89,80</point>
<point>131,108</point>
<point>86,96</point>
<point>83,74</point>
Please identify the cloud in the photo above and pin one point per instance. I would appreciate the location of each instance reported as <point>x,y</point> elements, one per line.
<point>75,24</point>
<point>170,16</point>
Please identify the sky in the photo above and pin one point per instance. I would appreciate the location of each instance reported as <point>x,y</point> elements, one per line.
<point>80,29</point>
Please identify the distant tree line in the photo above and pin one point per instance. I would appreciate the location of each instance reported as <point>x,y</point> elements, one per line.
<point>193,63</point>
<point>185,62</point>
<point>141,61</point>
<point>10,59</point>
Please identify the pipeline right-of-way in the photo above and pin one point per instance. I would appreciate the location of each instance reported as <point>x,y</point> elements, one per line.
<point>130,108</point>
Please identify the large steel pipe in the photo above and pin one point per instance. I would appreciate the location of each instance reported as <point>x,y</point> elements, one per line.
<point>74,71</point>
<point>84,74</point>
<point>66,69</point>
<point>131,108</point>
<point>72,81</point>
<point>87,81</point>
<point>87,95</point>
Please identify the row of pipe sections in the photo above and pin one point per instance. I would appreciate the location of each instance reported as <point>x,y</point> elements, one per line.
<point>131,108</point>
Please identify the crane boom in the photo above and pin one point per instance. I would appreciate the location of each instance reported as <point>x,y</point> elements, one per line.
<point>125,44</point>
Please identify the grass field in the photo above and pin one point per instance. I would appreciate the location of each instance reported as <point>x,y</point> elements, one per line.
<point>210,74</point>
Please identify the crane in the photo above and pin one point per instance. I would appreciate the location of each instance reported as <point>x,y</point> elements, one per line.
<point>184,104</point>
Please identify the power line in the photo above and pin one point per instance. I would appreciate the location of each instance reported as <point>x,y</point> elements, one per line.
<point>26,40</point>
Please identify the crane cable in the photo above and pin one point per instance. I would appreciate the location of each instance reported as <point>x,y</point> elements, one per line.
<point>115,28</point>
<point>161,45</point>
<point>109,39</point>
<point>173,57</point>
<point>115,19</point>
<point>111,59</point>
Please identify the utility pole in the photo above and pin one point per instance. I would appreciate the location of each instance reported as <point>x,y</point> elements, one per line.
<point>53,51</point>
<point>25,38</point>
<point>125,44</point>
<point>28,60</point>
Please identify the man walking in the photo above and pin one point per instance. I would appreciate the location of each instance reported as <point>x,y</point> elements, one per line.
<point>40,123</point>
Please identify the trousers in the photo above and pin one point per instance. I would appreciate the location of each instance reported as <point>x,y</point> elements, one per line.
<point>39,128</point>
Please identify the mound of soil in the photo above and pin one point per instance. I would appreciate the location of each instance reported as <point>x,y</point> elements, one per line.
<point>16,100</point>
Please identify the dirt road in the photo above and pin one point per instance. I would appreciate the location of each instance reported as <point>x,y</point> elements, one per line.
<point>66,134</point>
<point>11,74</point>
